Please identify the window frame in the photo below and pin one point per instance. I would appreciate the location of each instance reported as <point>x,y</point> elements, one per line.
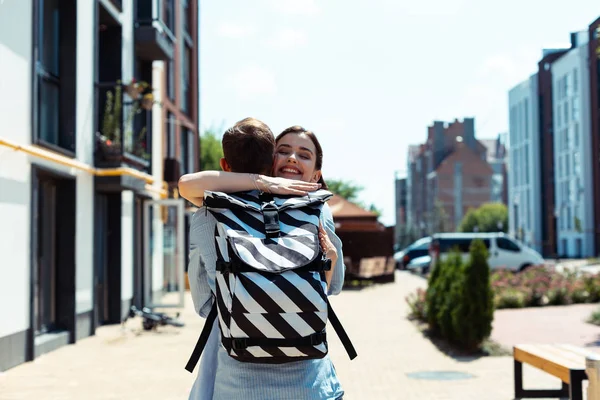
<point>44,76</point>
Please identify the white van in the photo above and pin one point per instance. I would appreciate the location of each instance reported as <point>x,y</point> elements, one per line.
<point>504,251</point>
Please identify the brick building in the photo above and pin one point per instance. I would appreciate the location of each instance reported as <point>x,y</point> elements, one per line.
<point>447,175</point>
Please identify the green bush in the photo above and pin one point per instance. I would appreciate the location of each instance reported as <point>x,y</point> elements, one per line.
<point>511,298</point>
<point>473,310</point>
<point>450,287</point>
<point>433,295</point>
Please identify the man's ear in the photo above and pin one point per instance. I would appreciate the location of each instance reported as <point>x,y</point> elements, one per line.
<point>224,165</point>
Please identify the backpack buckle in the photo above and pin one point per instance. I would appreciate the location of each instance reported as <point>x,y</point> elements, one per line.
<point>224,266</point>
<point>271,217</point>
<point>317,338</point>
<point>239,344</point>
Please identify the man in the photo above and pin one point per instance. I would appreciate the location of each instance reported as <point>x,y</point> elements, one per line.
<point>248,147</point>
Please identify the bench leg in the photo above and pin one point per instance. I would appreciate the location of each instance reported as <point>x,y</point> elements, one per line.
<point>575,387</point>
<point>518,366</point>
<point>521,393</point>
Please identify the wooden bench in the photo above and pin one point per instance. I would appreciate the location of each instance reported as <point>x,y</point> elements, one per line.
<point>566,362</point>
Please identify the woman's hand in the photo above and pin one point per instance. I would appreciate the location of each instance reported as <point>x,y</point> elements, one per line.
<point>285,186</point>
<point>329,250</point>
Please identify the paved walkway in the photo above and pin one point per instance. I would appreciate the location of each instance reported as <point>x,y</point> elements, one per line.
<point>550,324</point>
<point>120,364</point>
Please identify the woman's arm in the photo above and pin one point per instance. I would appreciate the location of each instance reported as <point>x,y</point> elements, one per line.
<point>192,186</point>
<point>336,281</point>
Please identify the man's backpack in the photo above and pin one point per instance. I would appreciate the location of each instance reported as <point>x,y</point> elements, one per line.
<point>271,292</point>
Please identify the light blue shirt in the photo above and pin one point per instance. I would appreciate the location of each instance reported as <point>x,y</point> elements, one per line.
<point>222,377</point>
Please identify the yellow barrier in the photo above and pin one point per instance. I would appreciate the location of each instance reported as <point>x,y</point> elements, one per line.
<point>45,154</point>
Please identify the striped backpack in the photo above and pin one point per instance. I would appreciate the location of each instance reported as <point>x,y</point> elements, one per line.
<point>271,293</point>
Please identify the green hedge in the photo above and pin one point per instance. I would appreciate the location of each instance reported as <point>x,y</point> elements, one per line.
<point>459,299</point>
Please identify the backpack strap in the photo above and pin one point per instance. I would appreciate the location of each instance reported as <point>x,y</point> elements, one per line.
<point>341,332</point>
<point>201,343</point>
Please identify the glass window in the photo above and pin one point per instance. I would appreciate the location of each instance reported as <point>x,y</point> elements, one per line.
<point>169,9</point>
<point>566,111</point>
<point>559,115</point>
<point>170,135</point>
<point>576,163</point>
<point>575,81</point>
<point>170,65</point>
<point>576,134</point>
<point>183,151</point>
<point>526,117</point>
<point>49,111</point>
<point>50,36</point>
<point>187,16</point>
<point>567,165</point>
<point>575,108</point>
<point>507,244</point>
<point>185,87</point>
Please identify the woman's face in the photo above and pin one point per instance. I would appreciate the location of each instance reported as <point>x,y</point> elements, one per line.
<point>296,158</point>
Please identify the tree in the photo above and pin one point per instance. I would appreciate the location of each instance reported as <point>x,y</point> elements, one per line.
<point>473,307</point>
<point>346,189</point>
<point>490,217</point>
<point>350,191</point>
<point>211,151</point>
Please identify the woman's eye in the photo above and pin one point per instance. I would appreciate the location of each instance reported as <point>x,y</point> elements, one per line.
<point>305,157</point>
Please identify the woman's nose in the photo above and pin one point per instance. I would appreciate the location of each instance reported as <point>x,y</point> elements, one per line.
<point>292,158</point>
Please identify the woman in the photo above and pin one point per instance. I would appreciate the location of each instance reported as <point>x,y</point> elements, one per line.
<point>297,168</point>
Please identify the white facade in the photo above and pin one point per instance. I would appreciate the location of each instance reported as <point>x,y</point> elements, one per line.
<point>572,154</point>
<point>17,168</point>
<point>74,253</point>
<point>524,177</point>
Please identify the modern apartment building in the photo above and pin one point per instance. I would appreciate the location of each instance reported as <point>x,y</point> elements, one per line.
<point>594,104</point>
<point>89,227</point>
<point>524,178</point>
<point>448,175</point>
<point>573,152</point>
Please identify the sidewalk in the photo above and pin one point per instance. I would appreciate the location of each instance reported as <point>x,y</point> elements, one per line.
<point>118,364</point>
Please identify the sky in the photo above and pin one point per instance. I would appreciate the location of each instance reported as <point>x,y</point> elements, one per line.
<point>369,76</point>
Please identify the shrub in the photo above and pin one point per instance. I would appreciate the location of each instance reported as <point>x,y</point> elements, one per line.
<point>417,304</point>
<point>433,295</point>
<point>450,280</point>
<point>473,310</point>
<point>594,318</point>
<point>510,298</point>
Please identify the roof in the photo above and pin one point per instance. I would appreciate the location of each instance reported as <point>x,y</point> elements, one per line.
<point>340,207</point>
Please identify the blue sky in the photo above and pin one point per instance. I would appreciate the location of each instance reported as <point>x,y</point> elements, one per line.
<point>368,77</point>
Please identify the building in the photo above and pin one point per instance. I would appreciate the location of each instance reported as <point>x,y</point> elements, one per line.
<point>401,209</point>
<point>524,180</point>
<point>573,152</point>
<point>448,175</point>
<point>87,226</point>
<point>368,244</point>
<point>594,102</point>
<point>497,159</point>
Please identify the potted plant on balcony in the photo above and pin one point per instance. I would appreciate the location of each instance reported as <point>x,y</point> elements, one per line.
<point>117,139</point>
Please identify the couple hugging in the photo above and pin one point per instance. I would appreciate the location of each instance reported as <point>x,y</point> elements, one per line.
<point>264,256</point>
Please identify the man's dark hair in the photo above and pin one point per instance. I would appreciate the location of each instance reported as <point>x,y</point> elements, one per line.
<point>248,147</point>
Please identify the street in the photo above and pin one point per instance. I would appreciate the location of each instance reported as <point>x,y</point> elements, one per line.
<point>124,363</point>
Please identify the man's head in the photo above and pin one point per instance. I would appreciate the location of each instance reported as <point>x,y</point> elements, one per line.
<point>248,147</point>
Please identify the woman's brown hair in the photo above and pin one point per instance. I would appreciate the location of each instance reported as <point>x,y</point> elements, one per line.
<point>319,162</point>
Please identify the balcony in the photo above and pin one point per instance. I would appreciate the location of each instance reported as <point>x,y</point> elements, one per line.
<point>154,26</point>
<point>124,131</point>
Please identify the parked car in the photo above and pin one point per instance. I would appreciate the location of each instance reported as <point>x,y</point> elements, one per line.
<point>417,249</point>
<point>504,250</point>
<point>419,264</point>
